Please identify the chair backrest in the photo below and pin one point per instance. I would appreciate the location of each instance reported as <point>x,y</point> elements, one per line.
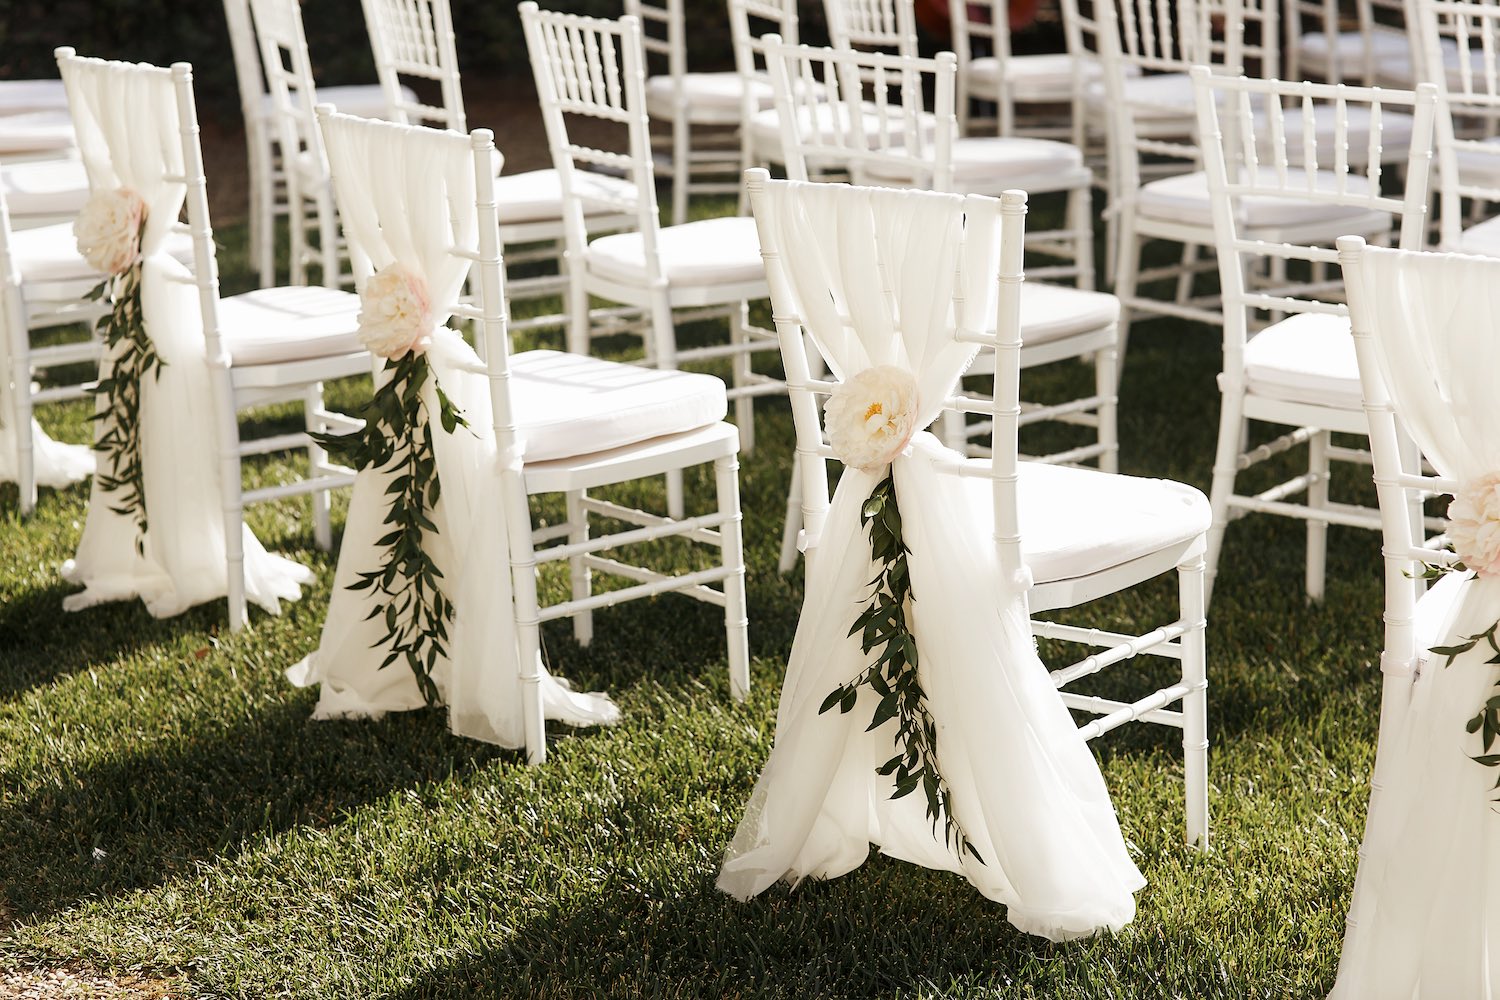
<point>414,38</point>
<point>1458,50</point>
<point>247,71</point>
<point>865,112</point>
<point>663,26</point>
<point>1251,153</point>
<point>749,22</point>
<point>288,68</point>
<point>879,276</point>
<point>872,24</point>
<point>1357,39</point>
<point>594,68</point>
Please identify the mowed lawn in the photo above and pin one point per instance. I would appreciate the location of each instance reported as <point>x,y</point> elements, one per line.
<point>170,816</point>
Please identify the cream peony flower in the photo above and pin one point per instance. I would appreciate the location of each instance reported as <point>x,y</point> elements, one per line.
<point>872,416</point>
<point>395,312</point>
<point>1474,524</point>
<point>108,229</point>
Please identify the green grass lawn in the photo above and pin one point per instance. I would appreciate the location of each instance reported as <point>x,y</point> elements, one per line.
<point>167,808</point>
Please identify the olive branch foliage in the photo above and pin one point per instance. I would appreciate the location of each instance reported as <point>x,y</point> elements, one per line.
<point>893,675</point>
<point>1486,721</point>
<point>407,590</point>
<point>132,357</point>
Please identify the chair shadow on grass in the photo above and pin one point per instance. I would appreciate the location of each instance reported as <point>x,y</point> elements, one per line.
<point>156,812</point>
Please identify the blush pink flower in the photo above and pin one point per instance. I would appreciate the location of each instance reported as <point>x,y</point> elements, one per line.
<point>871,417</point>
<point>395,312</point>
<point>108,230</point>
<point>1474,524</point>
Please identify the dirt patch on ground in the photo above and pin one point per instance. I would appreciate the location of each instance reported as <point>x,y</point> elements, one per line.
<point>79,984</point>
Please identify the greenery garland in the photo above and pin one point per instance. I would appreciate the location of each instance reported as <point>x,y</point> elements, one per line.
<point>1487,720</point>
<point>893,675</point>
<point>408,593</point>
<point>132,357</point>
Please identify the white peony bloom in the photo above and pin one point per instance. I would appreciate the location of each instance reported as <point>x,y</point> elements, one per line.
<point>395,312</point>
<point>872,416</point>
<point>1474,524</point>
<point>108,230</point>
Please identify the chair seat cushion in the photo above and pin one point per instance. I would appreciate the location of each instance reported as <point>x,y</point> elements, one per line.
<point>50,253</point>
<point>1152,95</point>
<point>1031,78</point>
<point>1395,132</point>
<point>1483,238</point>
<point>987,164</point>
<point>36,132</point>
<point>1051,312</point>
<point>289,323</point>
<point>707,252</point>
<point>1075,522</point>
<point>1305,358</point>
<point>765,127</point>
<point>536,195</point>
<point>44,187</point>
<point>1184,198</point>
<point>574,404</point>
<point>716,95</point>
<point>20,96</point>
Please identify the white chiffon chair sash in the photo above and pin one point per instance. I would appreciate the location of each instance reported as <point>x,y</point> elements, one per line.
<point>406,200</point>
<point>1425,918</point>
<point>127,128</point>
<point>1024,786</point>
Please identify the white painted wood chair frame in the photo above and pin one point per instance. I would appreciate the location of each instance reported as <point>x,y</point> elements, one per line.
<point>594,67</point>
<point>37,305</point>
<point>749,22</point>
<point>884,136</point>
<point>1182,639</point>
<point>872,24</point>
<point>1377,51</point>
<point>1246,145</point>
<point>991,31</point>
<point>238,387</point>
<point>288,69</point>
<point>707,164</point>
<point>584,552</point>
<point>1458,50</point>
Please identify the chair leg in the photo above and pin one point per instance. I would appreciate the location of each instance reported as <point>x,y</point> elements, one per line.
<point>736,621</point>
<point>792,526</point>
<point>328,239</point>
<point>664,341</point>
<point>19,345</point>
<point>744,406</point>
<point>578,571</point>
<point>317,465</point>
<point>682,165</point>
<point>1190,584</point>
<point>529,647</point>
<point>1127,266</point>
<point>1188,262</point>
<point>1317,499</point>
<point>296,224</point>
<point>578,309</point>
<point>1081,223</point>
<point>1226,465</point>
<point>262,205</point>
<point>1106,382</point>
<point>234,540</point>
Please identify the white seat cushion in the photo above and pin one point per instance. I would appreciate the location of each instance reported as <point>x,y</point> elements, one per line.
<point>1480,164</point>
<point>20,96</point>
<point>1184,198</point>
<point>1076,522</point>
<point>44,187</point>
<point>1032,78</point>
<point>989,163</point>
<point>536,195</point>
<point>1306,358</point>
<point>1483,238</point>
<point>1050,312</point>
<point>573,404</point>
<point>36,132</point>
<point>715,94</point>
<point>708,252</point>
<point>50,253</point>
<point>289,323</point>
<point>1395,133</point>
<point>1154,95</point>
<point>765,127</point>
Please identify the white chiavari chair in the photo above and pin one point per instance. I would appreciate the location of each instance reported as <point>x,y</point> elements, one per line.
<point>988,70</point>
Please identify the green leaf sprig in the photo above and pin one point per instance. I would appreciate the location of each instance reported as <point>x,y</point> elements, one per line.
<point>1486,721</point>
<point>132,358</point>
<point>408,588</point>
<point>893,675</point>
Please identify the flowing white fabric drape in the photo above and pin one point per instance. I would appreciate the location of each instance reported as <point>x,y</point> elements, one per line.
<point>1025,787</point>
<point>1425,918</point>
<point>127,130</point>
<point>404,200</point>
<point>55,464</point>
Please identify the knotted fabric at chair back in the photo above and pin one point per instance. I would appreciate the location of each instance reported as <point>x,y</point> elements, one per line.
<point>406,196</point>
<point>125,117</point>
